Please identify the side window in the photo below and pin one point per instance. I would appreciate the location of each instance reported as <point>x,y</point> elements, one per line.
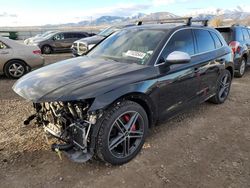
<point>217,40</point>
<point>68,35</point>
<point>181,41</point>
<point>239,34</point>
<point>59,36</point>
<point>3,46</point>
<point>245,34</point>
<point>81,35</point>
<point>204,40</point>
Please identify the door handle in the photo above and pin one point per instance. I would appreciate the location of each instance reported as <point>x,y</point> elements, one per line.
<point>4,52</point>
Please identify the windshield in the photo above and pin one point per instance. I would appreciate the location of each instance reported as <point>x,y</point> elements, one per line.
<point>129,46</point>
<point>106,32</point>
<point>46,33</point>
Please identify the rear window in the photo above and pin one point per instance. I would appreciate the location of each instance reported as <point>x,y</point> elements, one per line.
<point>205,41</point>
<point>245,34</point>
<point>227,34</point>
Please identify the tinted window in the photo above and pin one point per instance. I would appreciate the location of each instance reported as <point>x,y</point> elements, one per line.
<point>245,34</point>
<point>181,41</point>
<point>217,40</point>
<point>205,41</point>
<point>80,35</point>
<point>69,35</point>
<point>239,35</point>
<point>227,34</point>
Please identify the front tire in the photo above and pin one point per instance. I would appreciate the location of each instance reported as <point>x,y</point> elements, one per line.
<point>223,88</point>
<point>122,132</point>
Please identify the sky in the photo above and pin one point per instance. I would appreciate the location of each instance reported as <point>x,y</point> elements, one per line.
<point>35,13</point>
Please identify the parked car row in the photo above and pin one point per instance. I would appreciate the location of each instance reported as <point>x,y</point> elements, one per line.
<point>102,104</point>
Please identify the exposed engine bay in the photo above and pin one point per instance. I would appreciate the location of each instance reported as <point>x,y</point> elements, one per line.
<point>70,123</point>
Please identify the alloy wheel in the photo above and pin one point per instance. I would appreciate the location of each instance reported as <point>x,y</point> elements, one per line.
<point>126,134</point>
<point>224,87</point>
<point>16,70</point>
<point>242,67</point>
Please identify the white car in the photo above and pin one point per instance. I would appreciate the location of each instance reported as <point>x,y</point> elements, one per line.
<point>16,59</point>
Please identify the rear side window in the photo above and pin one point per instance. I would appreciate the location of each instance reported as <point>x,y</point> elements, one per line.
<point>181,41</point>
<point>239,35</point>
<point>217,40</point>
<point>245,34</point>
<point>227,34</point>
<point>68,35</point>
<point>204,40</point>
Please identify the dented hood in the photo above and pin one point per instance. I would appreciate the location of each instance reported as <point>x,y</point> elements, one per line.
<point>78,78</point>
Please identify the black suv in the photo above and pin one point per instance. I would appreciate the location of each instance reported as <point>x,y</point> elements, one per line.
<point>238,38</point>
<point>103,103</point>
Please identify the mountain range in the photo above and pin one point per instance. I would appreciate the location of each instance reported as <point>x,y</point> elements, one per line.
<point>236,14</point>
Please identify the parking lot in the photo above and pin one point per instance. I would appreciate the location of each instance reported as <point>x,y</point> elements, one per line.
<point>207,146</point>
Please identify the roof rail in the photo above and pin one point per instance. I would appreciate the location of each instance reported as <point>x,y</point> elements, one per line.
<point>204,22</point>
<point>238,25</point>
<point>186,20</point>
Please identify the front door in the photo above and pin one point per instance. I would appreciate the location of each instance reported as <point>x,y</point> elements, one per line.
<point>179,85</point>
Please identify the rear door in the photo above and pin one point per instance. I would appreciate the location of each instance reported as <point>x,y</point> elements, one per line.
<point>69,39</point>
<point>5,54</point>
<point>246,36</point>
<point>210,57</point>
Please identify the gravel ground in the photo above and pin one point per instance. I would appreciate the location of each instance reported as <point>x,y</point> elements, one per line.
<point>207,146</point>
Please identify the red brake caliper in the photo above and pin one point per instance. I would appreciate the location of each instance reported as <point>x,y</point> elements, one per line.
<point>127,118</point>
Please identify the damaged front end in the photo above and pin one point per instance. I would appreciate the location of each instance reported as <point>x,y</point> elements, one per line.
<point>71,123</point>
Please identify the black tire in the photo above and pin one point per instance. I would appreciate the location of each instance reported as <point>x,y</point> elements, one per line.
<point>223,89</point>
<point>242,68</point>
<point>107,139</point>
<point>46,49</point>
<point>15,69</point>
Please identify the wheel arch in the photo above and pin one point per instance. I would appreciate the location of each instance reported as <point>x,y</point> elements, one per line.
<point>141,98</point>
<point>245,56</point>
<point>51,47</point>
<point>231,70</point>
<point>144,101</point>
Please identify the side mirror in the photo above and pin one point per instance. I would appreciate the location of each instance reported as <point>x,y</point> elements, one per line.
<point>178,57</point>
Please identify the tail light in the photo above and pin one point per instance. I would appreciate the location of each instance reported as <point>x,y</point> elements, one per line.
<point>37,52</point>
<point>235,46</point>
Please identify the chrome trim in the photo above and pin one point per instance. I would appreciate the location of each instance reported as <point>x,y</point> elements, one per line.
<point>156,65</point>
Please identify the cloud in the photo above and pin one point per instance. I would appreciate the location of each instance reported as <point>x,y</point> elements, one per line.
<point>5,14</point>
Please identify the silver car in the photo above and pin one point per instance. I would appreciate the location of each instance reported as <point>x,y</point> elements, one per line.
<point>16,59</point>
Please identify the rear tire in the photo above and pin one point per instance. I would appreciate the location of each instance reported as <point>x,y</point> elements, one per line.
<point>46,49</point>
<point>118,142</point>
<point>240,73</point>
<point>223,88</point>
<point>15,69</point>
